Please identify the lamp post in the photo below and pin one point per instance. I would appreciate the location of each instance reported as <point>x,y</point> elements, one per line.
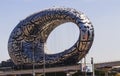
<point>43,59</point>
<point>85,66</point>
<point>43,48</point>
<point>93,71</point>
<point>33,55</point>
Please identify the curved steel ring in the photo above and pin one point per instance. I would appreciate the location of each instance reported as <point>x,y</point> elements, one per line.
<point>31,34</point>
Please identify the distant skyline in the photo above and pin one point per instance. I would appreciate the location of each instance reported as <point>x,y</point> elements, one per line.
<point>104,15</point>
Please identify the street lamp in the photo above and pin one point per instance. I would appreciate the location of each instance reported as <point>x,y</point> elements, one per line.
<point>93,69</point>
<point>33,54</point>
<point>43,48</point>
<point>44,59</point>
<point>85,66</point>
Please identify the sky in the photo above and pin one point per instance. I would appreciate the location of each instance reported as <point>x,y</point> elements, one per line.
<point>104,15</point>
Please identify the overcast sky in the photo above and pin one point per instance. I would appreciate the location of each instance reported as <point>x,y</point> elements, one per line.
<point>104,15</point>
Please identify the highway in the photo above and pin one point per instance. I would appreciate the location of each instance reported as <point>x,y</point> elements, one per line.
<point>58,69</point>
<point>55,69</point>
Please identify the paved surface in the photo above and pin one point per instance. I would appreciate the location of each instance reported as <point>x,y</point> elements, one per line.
<point>107,64</point>
<point>56,69</point>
